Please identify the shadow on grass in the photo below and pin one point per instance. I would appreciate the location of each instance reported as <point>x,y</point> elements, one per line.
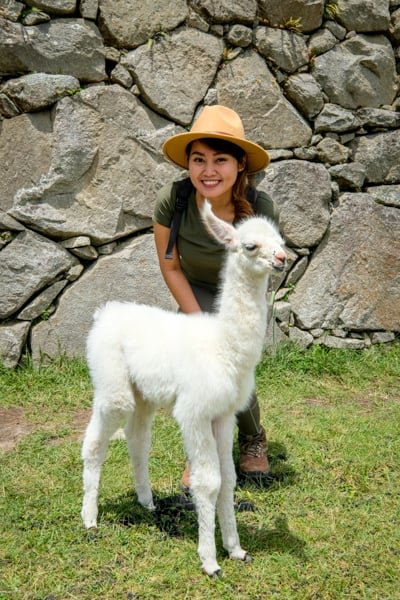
<point>176,516</point>
<point>279,539</point>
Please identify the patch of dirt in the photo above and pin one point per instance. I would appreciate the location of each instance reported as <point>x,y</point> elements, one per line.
<point>14,426</point>
<point>317,402</point>
<point>77,422</point>
<point>80,419</point>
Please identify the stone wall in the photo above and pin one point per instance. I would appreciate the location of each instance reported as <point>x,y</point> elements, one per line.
<point>89,90</point>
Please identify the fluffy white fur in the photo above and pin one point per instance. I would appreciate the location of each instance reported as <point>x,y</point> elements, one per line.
<point>142,357</point>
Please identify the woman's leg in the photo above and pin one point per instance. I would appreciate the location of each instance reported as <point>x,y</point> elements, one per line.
<point>253,461</point>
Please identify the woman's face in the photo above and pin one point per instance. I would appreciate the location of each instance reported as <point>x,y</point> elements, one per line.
<point>212,173</point>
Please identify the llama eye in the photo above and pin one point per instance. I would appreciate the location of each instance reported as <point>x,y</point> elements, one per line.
<point>250,247</point>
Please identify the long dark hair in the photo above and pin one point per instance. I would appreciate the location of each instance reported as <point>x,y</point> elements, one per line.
<point>241,205</point>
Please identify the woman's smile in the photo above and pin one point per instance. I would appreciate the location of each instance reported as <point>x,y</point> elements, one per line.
<point>210,182</point>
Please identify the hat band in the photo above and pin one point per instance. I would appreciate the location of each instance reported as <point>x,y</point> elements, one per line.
<point>219,133</point>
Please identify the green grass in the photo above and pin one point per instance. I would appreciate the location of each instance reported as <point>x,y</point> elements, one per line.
<point>327,528</point>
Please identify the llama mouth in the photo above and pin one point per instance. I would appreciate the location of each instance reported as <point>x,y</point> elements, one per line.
<point>281,267</point>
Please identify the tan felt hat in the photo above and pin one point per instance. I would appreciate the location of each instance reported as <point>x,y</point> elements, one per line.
<point>216,122</point>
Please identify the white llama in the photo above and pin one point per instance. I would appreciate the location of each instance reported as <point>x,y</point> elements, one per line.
<point>142,357</point>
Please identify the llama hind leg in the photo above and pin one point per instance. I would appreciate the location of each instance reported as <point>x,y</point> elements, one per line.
<point>223,432</point>
<point>205,482</point>
<point>138,437</point>
<point>94,448</point>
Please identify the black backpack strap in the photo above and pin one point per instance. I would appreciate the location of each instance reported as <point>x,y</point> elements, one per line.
<point>251,195</point>
<point>181,190</point>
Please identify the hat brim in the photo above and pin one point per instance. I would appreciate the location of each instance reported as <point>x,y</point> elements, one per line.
<point>175,149</point>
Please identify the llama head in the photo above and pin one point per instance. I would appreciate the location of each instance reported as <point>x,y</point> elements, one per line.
<point>256,241</point>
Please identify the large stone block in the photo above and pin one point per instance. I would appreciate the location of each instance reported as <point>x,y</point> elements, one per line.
<point>247,85</point>
<point>61,46</point>
<point>12,340</point>
<point>129,274</point>
<point>37,91</point>
<point>130,23</point>
<point>55,7</point>
<point>368,16</point>
<point>353,280</point>
<point>379,153</point>
<point>306,13</point>
<point>361,71</point>
<point>302,192</point>
<point>27,265</point>
<point>288,50</point>
<point>175,72</point>
<point>105,169</point>
<point>20,167</point>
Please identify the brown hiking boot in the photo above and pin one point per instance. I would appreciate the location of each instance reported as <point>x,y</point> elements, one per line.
<point>253,461</point>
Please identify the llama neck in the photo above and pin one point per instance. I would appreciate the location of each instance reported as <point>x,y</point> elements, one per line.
<point>243,312</point>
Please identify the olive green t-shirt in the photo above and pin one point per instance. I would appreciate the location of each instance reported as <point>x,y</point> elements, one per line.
<point>201,257</point>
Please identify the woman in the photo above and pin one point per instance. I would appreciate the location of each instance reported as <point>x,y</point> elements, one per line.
<point>218,158</point>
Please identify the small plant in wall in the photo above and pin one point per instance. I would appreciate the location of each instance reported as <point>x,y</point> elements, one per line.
<point>230,54</point>
<point>73,92</point>
<point>292,24</point>
<point>156,37</point>
<point>28,11</point>
<point>290,288</point>
<point>331,10</point>
<point>5,238</point>
<point>45,315</point>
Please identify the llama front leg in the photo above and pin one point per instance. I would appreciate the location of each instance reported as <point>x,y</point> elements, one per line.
<point>94,448</point>
<point>205,482</point>
<point>138,437</point>
<point>223,432</point>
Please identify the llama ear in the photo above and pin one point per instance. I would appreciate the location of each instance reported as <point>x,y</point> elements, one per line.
<point>221,231</point>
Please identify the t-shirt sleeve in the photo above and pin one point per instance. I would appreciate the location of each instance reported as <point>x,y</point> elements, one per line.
<point>266,207</point>
<point>164,207</point>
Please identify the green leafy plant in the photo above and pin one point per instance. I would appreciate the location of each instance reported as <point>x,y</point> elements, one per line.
<point>290,288</point>
<point>331,10</point>
<point>45,315</point>
<point>6,236</point>
<point>293,24</point>
<point>73,91</point>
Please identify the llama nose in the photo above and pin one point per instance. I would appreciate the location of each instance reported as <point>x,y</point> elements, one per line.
<point>280,255</point>
<point>280,258</point>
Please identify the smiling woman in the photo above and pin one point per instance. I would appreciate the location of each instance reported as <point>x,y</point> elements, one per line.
<point>218,158</point>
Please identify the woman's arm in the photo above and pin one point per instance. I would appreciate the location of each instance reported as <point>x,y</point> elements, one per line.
<point>171,270</point>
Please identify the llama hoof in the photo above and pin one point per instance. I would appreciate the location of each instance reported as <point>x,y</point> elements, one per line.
<point>212,569</point>
<point>90,524</point>
<point>148,505</point>
<point>240,554</point>
<point>146,500</point>
<point>218,574</point>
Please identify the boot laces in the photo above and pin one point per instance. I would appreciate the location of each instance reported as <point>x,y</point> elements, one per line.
<point>254,445</point>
